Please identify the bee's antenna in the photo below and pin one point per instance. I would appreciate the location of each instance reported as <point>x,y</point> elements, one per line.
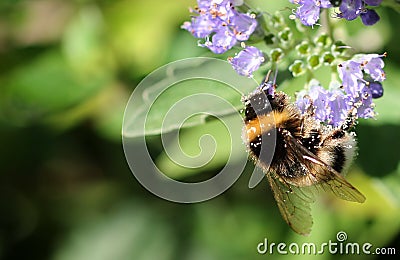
<point>275,76</point>
<point>267,85</point>
<point>266,81</point>
<point>267,77</point>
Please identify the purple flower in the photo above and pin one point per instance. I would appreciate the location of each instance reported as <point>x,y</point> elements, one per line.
<point>361,77</point>
<point>330,107</point>
<point>308,13</point>
<point>364,104</point>
<point>350,9</point>
<point>247,61</point>
<point>219,21</point>
<point>303,101</point>
<point>319,97</point>
<point>201,26</point>
<point>243,26</point>
<point>350,72</point>
<point>373,65</point>
<point>338,107</point>
<point>221,42</point>
<point>309,10</point>
<point>369,17</point>
<point>376,89</point>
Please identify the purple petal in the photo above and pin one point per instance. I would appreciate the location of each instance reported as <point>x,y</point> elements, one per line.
<point>373,65</point>
<point>319,96</point>
<point>369,17</point>
<point>350,72</point>
<point>221,42</point>
<point>373,2</point>
<point>303,102</point>
<point>243,26</point>
<point>247,61</point>
<point>364,104</point>
<point>201,26</point>
<point>325,4</point>
<point>338,107</point>
<point>376,89</point>
<point>350,9</point>
<point>222,9</point>
<point>308,13</point>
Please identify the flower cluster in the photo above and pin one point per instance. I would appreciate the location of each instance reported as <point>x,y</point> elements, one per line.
<point>247,61</point>
<point>308,11</point>
<point>361,82</point>
<point>220,24</point>
<point>223,26</point>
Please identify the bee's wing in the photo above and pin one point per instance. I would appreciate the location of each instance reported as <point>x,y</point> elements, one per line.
<point>294,204</point>
<point>324,177</point>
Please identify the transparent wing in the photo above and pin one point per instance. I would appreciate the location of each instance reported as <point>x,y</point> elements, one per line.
<point>323,177</point>
<point>294,204</point>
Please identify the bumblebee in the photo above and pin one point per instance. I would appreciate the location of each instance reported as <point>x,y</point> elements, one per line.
<point>308,157</point>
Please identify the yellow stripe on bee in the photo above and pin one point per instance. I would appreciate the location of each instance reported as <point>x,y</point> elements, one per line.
<point>263,123</point>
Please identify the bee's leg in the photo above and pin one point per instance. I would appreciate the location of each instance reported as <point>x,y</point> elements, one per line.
<point>310,112</point>
<point>310,109</point>
<point>350,120</point>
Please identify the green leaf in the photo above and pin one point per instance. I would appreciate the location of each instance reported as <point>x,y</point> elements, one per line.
<point>85,45</point>
<point>392,3</point>
<point>129,231</point>
<point>203,148</point>
<point>184,93</point>
<point>141,32</point>
<point>43,87</point>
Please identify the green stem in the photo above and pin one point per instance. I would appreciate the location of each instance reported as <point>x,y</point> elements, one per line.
<point>328,24</point>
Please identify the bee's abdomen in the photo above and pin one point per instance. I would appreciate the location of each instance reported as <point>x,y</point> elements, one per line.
<point>312,141</point>
<point>339,159</point>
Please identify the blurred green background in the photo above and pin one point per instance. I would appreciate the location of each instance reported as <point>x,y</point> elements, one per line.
<point>67,69</point>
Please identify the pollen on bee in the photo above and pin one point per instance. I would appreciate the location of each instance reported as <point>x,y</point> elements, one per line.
<point>252,129</point>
